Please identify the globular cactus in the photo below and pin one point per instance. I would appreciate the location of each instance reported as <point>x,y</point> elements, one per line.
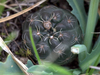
<point>54,31</point>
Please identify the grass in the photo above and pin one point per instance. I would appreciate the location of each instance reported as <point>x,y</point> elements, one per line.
<point>95,64</point>
<point>91,23</point>
<point>2,7</point>
<point>34,47</point>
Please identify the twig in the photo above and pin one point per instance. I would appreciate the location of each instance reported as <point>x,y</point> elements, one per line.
<point>8,13</point>
<point>18,5</point>
<point>94,67</point>
<point>7,1</point>
<point>9,7</point>
<point>21,4</point>
<point>95,32</point>
<point>22,12</point>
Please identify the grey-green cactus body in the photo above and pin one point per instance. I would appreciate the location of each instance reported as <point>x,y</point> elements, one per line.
<point>54,31</point>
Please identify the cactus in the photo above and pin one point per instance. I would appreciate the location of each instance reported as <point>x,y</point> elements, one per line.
<point>54,31</point>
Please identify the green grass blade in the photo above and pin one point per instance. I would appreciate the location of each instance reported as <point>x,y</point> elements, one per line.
<point>92,16</point>
<point>87,71</point>
<point>79,12</point>
<point>95,64</point>
<point>91,58</point>
<point>33,45</point>
<point>1,7</point>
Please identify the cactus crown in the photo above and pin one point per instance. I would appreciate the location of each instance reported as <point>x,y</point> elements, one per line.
<point>54,31</point>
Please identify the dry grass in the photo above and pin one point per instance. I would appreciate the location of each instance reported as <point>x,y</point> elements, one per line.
<point>21,12</point>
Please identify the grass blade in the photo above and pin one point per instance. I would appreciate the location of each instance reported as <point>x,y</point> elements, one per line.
<point>60,69</point>
<point>1,7</point>
<point>92,17</point>
<point>95,64</point>
<point>91,58</point>
<point>33,45</point>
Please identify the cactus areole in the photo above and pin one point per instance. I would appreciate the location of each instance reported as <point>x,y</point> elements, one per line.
<point>54,31</point>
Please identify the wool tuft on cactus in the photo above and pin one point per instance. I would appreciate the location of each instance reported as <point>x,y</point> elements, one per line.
<point>54,31</point>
